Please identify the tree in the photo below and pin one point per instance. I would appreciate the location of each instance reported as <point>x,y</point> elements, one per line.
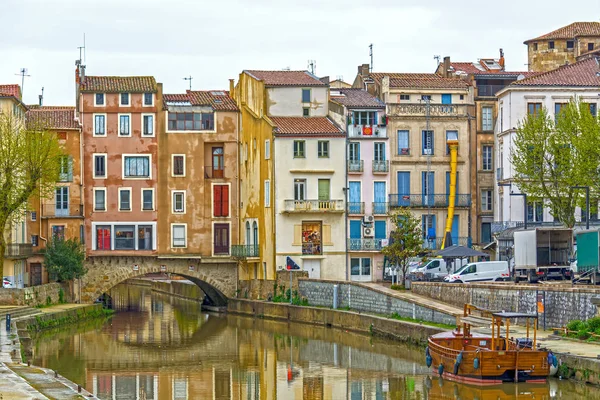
<point>64,259</point>
<point>406,240</point>
<point>550,157</point>
<point>29,166</point>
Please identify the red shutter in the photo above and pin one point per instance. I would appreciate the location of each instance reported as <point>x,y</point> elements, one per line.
<point>217,201</point>
<point>225,201</point>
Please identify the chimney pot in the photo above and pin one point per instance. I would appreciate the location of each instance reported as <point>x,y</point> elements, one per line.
<point>364,69</point>
<point>446,66</point>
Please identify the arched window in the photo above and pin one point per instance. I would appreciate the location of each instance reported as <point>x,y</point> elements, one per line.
<point>247,233</point>
<point>255,232</point>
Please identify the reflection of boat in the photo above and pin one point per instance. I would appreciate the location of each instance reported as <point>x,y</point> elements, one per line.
<point>489,359</point>
<point>440,389</point>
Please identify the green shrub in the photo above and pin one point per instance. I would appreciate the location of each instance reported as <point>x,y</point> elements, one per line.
<point>397,287</point>
<point>575,325</point>
<point>61,296</point>
<point>583,334</point>
<point>593,323</point>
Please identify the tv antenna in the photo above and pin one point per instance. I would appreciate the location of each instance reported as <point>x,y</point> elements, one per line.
<point>371,55</point>
<point>41,97</point>
<point>437,58</point>
<point>189,78</point>
<point>23,73</point>
<point>82,50</point>
<point>312,66</point>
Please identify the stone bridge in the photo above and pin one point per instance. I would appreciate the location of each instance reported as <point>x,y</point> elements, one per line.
<point>216,278</point>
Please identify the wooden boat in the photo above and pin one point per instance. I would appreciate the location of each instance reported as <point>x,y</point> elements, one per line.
<point>489,359</point>
<point>448,390</point>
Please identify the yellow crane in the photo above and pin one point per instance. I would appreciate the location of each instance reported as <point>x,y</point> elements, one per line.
<point>452,142</point>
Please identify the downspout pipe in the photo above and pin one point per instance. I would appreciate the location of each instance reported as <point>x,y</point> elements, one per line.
<point>453,144</point>
<point>347,142</point>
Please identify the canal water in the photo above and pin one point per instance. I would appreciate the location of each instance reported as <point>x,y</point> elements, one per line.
<point>160,347</point>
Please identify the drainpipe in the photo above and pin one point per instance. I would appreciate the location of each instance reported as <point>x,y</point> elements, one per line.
<point>347,142</point>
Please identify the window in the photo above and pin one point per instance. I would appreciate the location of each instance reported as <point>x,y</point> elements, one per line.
<point>147,124</point>
<point>590,46</point>
<point>178,201</point>
<point>379,151</point>
<point>535,211</point>
<point>427,145</point>
<point>144,237</point>
<point>299,148</point>
<point>487,122</point>
<point>191,121</point>
<point>551,44</point>
<point>61,135</point>
<point>534,108</point>
<point>147,199</point>
<point>129,236</point>
<point>58,232</point>
<point>178,165</point>
<point>299,189</point>
<point>125,199</point>
<point>403,146</point>
<point>267,193</point>
<point>487,157</point>
<point>360,266</point>
<point>353,151</point>
<point>306,95</point>
<point>103,237</point>
<point>99,125</point>
<point>124,126</point>
<point>99,99</point>
<point>148,99</point>
<point>33,215</point>
<point>570,44</point>
<point>486,200</point>
<point>61,197</point>
<point>179,235</point>
<point>365,117</point>
<point>535,47</point>
<point>99,166</point>
<point>124,99</point>
<point>405,97</point>
<point>593,109</point>
<point>66,169</point>
<point>426,97</point>
<point>486,232</point>
<point>324,189</point>
<point>221,200</point>
<point>311,238</point>
<point>34,240</point>
<point>267,149</point>
<point>81,234</point>
<point>305,111</point>
<point>99,199</point>
<point>558,108</point>
<point>323,148</point>
<point>136,167</point>
<point>221,239</point>
<point>124,237</point>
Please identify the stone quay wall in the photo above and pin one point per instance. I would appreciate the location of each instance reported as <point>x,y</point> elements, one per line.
<point>261,289</point>
<point>35,295</point>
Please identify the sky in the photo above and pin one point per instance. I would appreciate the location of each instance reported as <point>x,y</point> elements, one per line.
<point>213,41</point>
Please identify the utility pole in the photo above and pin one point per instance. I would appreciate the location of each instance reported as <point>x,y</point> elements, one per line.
<point>189,78</point>
<point>23,73</point>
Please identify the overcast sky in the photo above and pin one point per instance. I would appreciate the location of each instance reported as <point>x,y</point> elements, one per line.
<point>215,40</point>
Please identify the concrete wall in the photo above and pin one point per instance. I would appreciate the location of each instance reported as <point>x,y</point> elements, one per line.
<point>262,288</point>
<point>34,296</point>
<point>287,101</point>
<point>370,300</point>
<point>561,304</point>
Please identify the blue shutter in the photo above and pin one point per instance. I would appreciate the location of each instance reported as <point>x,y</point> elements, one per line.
<point>380,230</point>
<point>355,229</point>
<point>403,189</point>
<point>354,198</point>
<point>446,99</point>
<point>454,232</point>
<point>430,188</point>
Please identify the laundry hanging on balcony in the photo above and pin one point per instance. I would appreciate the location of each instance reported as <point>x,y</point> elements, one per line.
<point>367,130</point>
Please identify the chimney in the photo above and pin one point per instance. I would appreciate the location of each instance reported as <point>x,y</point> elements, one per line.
<point>41,100</point>
<point>363,69</point>
<point>501,61</point>
<point>445,73</point>
<point>325,80</point>
<point>82,78</point>
<point>231,88</point>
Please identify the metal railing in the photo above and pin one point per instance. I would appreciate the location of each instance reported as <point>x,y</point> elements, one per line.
<point>380,208</point>
<point>18,250</point>
<point>431,200</point>
<point>211,173</point>
<point>357,131</point>
<point>381,166</point>
<point>420,110</point>
<point>488,90</point>
<point>53,210</point>
<point>314,206</point>
<point>243,251</point>
<point>355,208</point>
<point>355,165</point>
<point>436,243</point>
<point>364,244</point>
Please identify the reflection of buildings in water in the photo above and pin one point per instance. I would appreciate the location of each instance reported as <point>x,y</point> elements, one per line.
<point>439,389</point>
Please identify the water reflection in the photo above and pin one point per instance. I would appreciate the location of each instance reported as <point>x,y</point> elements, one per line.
<point>158,347</point>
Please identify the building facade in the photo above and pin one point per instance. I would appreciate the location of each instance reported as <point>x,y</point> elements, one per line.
<point>368,179</point>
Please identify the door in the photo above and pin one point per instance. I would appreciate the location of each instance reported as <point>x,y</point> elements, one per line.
<point>355,235</point>
<point>313,267</point>
<point>427,186</point>
<point>486,232</point>
<point>62,201</point>
<point>354,204</point>
<point>379,204</point>
<point>218,163</point>
<point>403,199</point>
<point>360,269</point>
<point>35,274</point>
<point>324,194</point>
<point>221,239</point>
<point>447,98</point>
<point>380,233</point>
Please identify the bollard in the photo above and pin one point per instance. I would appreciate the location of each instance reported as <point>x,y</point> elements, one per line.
<point>335,297</point>
<point>7,322</point>
<point>78,388</point>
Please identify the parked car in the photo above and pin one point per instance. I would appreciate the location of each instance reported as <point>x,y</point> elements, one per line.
<point>6,283</point>
<point>436,269</point>
<point>480,272</point>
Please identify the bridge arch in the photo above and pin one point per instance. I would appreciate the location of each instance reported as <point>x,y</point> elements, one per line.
<point>217,279</point>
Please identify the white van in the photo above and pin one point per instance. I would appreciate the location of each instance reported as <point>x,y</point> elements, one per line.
<point>481,271</point>
<point>437,268</point>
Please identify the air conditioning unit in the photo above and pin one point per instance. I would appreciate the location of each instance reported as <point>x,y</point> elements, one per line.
<point>368,219</point>
<point>368,232</point>
<point>427,152</point>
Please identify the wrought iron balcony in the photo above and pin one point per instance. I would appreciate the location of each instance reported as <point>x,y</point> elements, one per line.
<point>355,166</point>
<point>57,210</point>
<point>211,172</point>
<point>355,208</point>
<point>436,243</point>
<point>430,200</point>
<point>488,90</point>
<point>314,206</point>
<point>381,166</point>
<point>18,250</point>
<point>367,131</point>
<point>421,110</point>
<point>243,251</point>
<point>380,208</point>
<point>364,244</point>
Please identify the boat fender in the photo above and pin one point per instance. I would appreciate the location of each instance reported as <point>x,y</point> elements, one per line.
<point>456,365</point>
<point>428,361</point>
<point>459,358</point>
<point>441,369</point>
<point>476,363</point>
<point>552,360</point>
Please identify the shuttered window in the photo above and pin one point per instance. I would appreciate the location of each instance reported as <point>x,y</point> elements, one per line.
<point>221,200</point>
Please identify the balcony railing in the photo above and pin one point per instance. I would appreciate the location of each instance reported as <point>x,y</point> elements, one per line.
<point>488,90</point>
<point>18,250</point>
<point>52,210</point>
<point>431,200</point>
<point>211,172</point>
<point>354,208</point>
<point>381,166</point>
<point>380,208</point>
<point>314,206</point>
<point>364,244</point>
<point>436,243</point>
<point>355,165</point>
<point>420,110</point>
<point>362,131</point>
<point>243,251</point>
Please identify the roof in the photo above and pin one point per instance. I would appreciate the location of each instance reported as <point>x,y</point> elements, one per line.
<point>355,98</point>
<point>317,126</point>
<point>11,90</point>
<point>505,314</point>
<point>420,80</point>
<point>60,117</point>
<point>582,73</point>
<point>286,78</point>
<point>571,31</point>
<point>473,68</point>
<point>219,100</point>
<point>119,84</point>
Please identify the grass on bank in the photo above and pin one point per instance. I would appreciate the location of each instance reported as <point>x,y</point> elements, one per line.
<point>588,330</point>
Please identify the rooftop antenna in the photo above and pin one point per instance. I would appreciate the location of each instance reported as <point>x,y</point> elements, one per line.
<point>82,51</point>
<point>437,58</point>
<point>41,97</point>
<point>340,77</point>
<point>312,66</point>
<point>371,55</point>
<point>23,74</point>
<point>189,78</point>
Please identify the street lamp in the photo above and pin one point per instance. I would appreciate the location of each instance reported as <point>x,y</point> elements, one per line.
<point>587,204</point>
<point>524,202</point>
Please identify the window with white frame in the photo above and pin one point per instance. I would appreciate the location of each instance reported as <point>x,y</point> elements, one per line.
<point>33,215</point>
<point>323,148</point>
<point>99,199</point>
<point>124,236</point>
<point>99,99</point>
<point>178,201</point>
<point>179,235</point>
<point>136,166</point>
<point>299,189</point>
<point>148,99</point>
<point>487,119</point>
<point>147,124</point>
<point>267,193</point>
<point>267,149</point>
<point>99,124</point>
<point>147,199</point>
<point>124,199</point>
<point>487,151</point>
<point>99,171</point>
<point>403,143</point>
<point>124,99</point>
<point>486,200</point>
<point>124,125</point>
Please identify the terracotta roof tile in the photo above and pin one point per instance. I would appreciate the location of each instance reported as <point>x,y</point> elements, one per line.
<point>60,117</point>
<point>576,29</point>
<point>286,78</point>
<point>219,100</point>
<point>476,69</point>
<point>355,98</point>
<point>119,84</point>
<point>582,73</point>
<point>11,90</point>
<point>428,81</point>
<point>313,126</point>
